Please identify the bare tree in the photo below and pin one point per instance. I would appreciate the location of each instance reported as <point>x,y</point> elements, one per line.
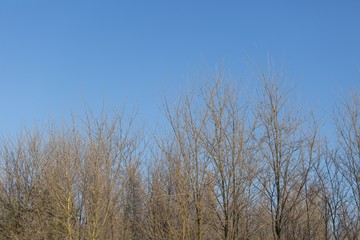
<point>224,169</point>
<point>333,192</point>
<point>187,121</point>
<point>287,152</point>
<point>26,201</point>
<point>228,143</point>
<point>208,156</point>
<point>347,121</point>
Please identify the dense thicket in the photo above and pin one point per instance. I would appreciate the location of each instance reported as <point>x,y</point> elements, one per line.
<point>226,168</point>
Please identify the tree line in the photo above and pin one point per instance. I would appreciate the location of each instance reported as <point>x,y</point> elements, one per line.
<point>226,168</point>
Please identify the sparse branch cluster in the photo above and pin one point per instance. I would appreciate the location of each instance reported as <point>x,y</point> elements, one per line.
<point>224,169</point>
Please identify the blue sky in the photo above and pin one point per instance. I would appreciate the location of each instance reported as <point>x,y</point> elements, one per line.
<point>55,56</point>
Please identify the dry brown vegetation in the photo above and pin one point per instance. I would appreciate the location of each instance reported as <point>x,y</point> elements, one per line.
<point>225,169</point>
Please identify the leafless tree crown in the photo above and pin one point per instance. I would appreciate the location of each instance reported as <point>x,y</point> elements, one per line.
<point>226,168</point>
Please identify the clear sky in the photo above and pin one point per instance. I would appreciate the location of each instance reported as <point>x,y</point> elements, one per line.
<point>57,55</point>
